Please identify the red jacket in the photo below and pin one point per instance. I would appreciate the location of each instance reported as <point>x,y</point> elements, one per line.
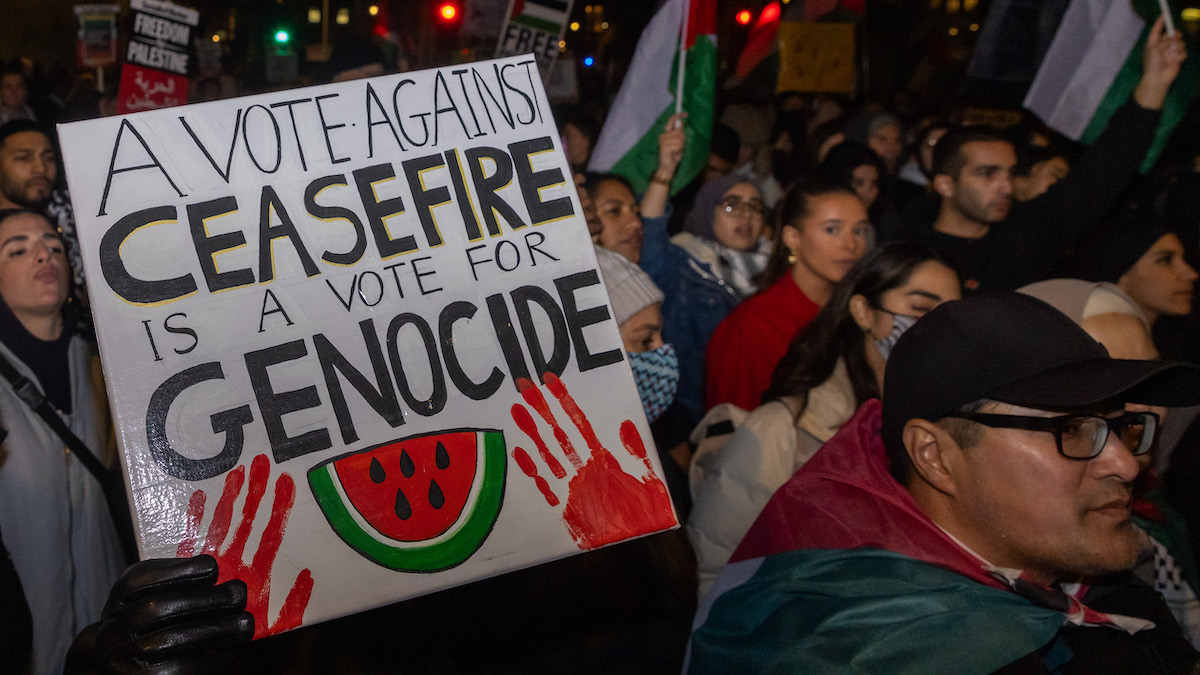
<point>750,342</point>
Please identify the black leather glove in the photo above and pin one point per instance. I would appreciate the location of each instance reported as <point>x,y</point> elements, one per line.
<point>165,616</point>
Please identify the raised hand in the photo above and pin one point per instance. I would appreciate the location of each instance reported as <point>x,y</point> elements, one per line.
<point>1162,58</point>
<point>256,575</point>
<point>604,504</point>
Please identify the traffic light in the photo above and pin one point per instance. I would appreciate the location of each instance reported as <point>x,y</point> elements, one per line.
<point>282,36</point>
<point>743,17</point>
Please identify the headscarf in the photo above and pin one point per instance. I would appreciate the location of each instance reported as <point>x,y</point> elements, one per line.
<point>699,220</point>
<point>739,269</point>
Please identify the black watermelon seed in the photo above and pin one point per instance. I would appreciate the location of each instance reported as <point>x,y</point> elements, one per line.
<point>441,457</point>
<point>403,508</point>
<point>378,475</point>
<point>436,499</point>
<point>406,464</point>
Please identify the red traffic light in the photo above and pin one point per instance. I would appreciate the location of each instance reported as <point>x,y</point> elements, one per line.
<point>447,12</point>
<point>743,17</point>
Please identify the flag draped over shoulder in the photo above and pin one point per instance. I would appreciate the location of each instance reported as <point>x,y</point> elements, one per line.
<point>843,572</point>
<point>1092,67</point>
<point>628,143</point>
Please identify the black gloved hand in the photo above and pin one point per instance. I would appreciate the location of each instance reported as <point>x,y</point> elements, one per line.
<point>165,616</point>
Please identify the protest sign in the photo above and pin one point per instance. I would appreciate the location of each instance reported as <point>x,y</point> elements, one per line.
<point>816,57</point>
<point>374,306</point>
<point>534,26</point>
<point>96,35</point>
<point>155,74</point>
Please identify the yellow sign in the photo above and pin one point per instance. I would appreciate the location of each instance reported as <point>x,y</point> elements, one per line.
<point>816,57</point>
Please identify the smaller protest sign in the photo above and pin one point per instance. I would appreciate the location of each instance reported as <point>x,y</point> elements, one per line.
<point>816,57</point>
<point>156,60</point>
<point>96,38</point>
<point>534,26</point>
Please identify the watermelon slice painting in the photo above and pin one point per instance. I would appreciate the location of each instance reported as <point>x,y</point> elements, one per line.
<point>424,503</point>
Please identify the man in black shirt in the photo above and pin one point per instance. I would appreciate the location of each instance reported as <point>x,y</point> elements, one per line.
<point>1001,244</point>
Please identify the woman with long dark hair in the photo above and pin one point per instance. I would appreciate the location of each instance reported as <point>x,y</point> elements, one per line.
<point>834,366</point>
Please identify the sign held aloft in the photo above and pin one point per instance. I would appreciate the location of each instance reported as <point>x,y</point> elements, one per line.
<point>377,303</point>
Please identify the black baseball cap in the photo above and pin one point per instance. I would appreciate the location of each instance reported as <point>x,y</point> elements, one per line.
<point>1013,348</point>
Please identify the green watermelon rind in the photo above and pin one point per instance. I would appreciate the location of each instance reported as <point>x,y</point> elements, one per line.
<point>443,555</point>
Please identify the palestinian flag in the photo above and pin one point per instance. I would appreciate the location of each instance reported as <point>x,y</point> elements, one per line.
<point>843,572</point>
<point>628,143</point>
<point>1093,65</point>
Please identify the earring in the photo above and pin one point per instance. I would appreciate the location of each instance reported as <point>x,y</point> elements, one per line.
<point>791,259</point>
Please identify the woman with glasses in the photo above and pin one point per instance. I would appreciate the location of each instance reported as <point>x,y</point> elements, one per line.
<point>706,271</point>
<point>828,371</point>
<point>823,231</point>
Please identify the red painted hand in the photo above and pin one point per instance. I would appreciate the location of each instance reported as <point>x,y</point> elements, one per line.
<point>257,574</point>
<point>604,504</point>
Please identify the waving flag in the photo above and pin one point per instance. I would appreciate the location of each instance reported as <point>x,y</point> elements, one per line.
<point>628,143</point>
<point>1094,64</point>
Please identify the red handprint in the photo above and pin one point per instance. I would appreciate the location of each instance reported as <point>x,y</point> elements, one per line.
<point>604,504</point>
<point>257,574</point>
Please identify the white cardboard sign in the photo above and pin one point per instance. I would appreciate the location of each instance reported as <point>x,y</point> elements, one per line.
<point>355,341</point>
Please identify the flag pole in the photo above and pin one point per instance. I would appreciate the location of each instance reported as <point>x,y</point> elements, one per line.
<point>683,30</point>
<point>1167,20</point>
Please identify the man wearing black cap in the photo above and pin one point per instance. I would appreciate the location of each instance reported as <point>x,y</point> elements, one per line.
<point>979,520</point>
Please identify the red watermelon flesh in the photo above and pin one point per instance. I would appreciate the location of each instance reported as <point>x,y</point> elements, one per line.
<point>415,489</point>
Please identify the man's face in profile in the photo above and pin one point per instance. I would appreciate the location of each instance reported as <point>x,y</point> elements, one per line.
<point>1023,505</point>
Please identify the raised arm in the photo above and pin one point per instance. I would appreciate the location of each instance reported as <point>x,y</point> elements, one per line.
<point>670,152</point>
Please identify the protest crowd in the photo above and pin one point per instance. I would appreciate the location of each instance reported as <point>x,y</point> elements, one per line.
<point>925,392</point>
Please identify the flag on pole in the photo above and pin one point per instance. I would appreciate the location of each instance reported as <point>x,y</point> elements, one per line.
<point>628,143</point>
<point>1092,67</point>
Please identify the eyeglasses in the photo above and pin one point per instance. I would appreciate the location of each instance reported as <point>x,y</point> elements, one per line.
<point>1080,436</point>
<point>742,207</point>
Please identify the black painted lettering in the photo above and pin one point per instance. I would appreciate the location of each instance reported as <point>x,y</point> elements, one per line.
<point>326,128</point>
<point>274,404</point>
<point>229,422</point>
<point>437,397</point>
<point>450,315</point>
<point>378,211</point>
<point>117,276</point>
<point>487,186</point>
<point>263,313</point>
<point>278,136</point>
<point>268,233</point>
<point>380,395</point>
<point>113,170</point>
<point>560,353</point>
<point>237,125</point>
<point>208,246</point>
<point>180,330</point>
<point>533,182</point>
<point>334,213</point>
<point>578,319</point>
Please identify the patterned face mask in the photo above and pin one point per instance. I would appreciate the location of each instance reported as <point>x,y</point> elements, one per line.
<point>657,376</point>
<point>900,323</point>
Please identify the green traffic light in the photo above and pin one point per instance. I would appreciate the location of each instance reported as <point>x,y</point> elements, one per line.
<point>281,36</point>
